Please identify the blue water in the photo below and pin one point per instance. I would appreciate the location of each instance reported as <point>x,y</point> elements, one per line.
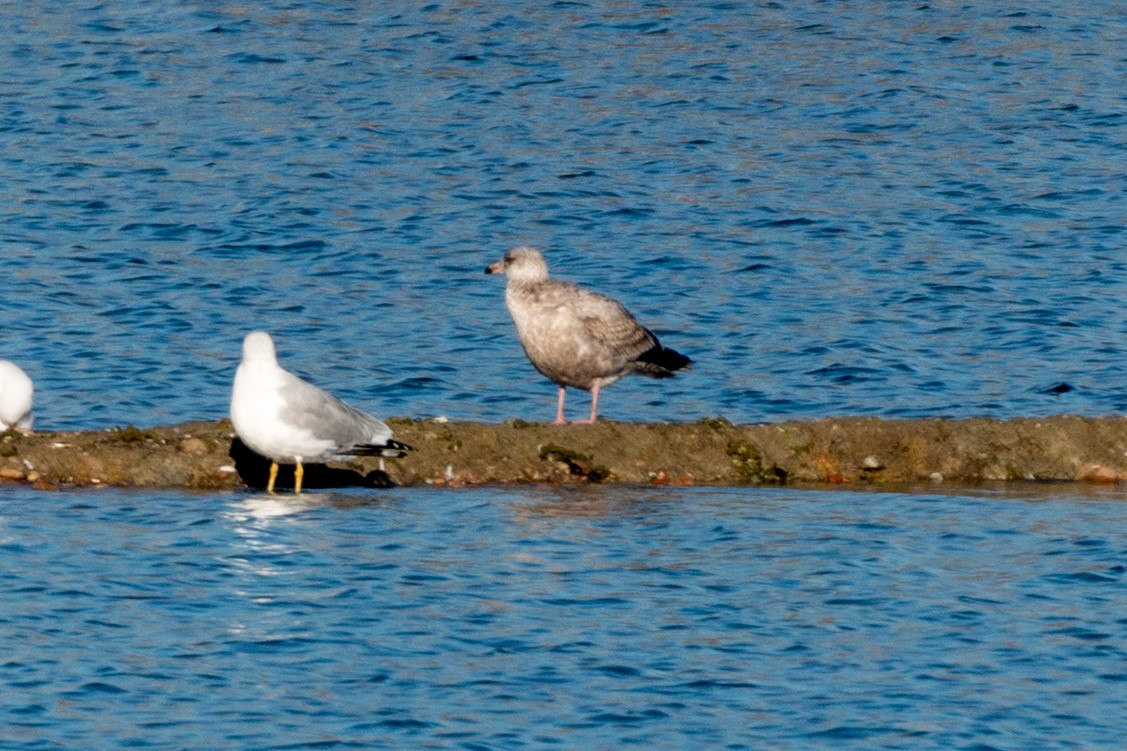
<point>890,209</point>
<point>894,209</point>
<point>570,618</point>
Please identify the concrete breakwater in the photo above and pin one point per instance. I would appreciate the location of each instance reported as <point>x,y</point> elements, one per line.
<point>206,456</point>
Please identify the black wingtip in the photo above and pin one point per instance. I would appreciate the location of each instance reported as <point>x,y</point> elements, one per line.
<point>392,449</point>
<point>400,446</point>
<point>662,362</point>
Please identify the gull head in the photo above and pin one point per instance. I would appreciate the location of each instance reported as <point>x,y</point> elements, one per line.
<point>521,265</point>
<point>258,347</point>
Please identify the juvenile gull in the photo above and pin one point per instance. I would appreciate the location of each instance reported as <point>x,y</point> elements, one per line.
<point>577,337</point>
<point>289,420</point>
<point>16,391</point>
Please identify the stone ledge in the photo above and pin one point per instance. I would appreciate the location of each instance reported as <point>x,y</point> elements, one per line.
<point>846,451</point>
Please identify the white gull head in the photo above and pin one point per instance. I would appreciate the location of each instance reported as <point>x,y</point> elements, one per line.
<point>258,347</point>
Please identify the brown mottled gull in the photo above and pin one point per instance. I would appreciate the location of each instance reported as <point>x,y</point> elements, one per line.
<point>286,419</point>
<point>577,337</point>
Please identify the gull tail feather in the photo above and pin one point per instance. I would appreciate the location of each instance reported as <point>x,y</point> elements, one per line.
<point>661,362</point>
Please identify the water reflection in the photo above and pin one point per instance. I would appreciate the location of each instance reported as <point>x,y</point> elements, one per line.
<point>266,506</point>
<point>593,501</point>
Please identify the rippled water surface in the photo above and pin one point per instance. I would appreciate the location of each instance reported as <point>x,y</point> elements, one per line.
<point>836,208</point>
<point>894,209</point>
<point>572,618</point>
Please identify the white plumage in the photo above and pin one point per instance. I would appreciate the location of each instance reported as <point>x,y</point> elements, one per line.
<point>288,420</point>
<point>16,391</point>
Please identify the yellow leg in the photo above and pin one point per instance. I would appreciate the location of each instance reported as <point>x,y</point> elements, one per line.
<point>298,473</point>
<point>273,477</point>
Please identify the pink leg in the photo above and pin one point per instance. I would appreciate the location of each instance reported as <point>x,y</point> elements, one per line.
<point>594,407</point>
<point>559,408</point>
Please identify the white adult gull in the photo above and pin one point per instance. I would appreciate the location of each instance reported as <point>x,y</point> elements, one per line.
<point>291,421</point>
<point>574,336</point>
<point>16,391</point>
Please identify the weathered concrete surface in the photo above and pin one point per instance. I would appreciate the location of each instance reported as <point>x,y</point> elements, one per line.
<point>710,452</point>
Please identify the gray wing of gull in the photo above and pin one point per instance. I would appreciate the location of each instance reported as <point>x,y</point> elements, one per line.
<point>327,417</point>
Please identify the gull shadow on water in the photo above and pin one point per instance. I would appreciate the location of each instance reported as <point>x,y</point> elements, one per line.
<point>254,471</point>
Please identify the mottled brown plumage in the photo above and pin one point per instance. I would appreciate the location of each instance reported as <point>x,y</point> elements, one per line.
<point>577,337</point>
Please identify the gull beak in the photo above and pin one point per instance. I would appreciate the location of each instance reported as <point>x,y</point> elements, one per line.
<point>495,268</point>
